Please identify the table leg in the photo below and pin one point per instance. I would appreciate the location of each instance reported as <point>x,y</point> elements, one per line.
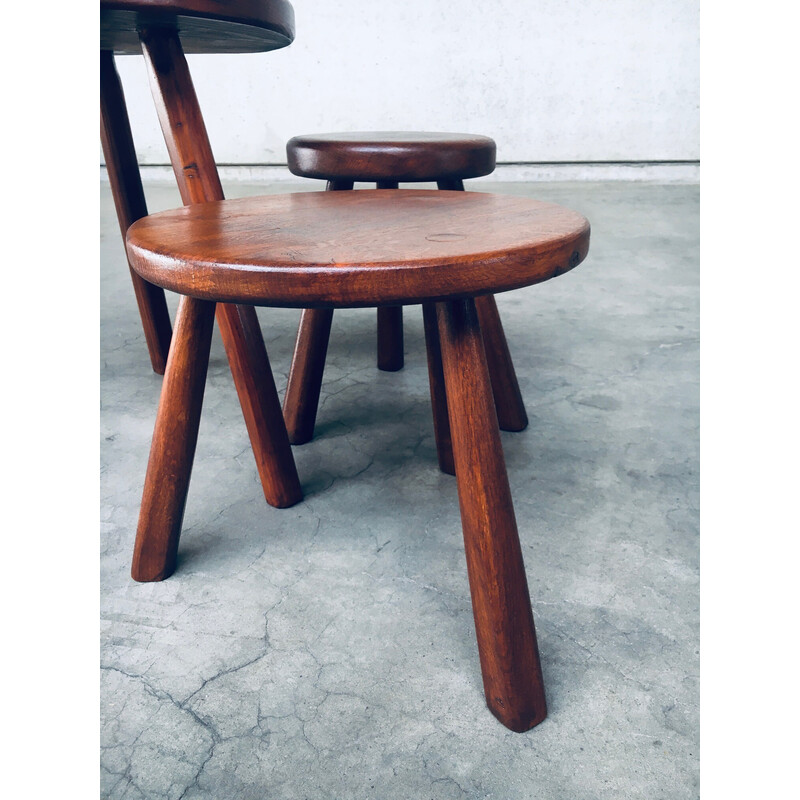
<point>174,441</point>
<point>198,180</point>
<point>126,186</point>
<point>509,655</point>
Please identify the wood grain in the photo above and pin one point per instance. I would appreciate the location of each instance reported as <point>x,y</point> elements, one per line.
<point>196,173</point>
<point>204,26</point>
<point>509,655</point>
<point>129,200</point>
<point>318,249</point>
<point>391,156</point>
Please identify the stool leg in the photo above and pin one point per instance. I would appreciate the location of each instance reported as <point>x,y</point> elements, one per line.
<point>390,338</point>
<point>173,445</point>
<point>301,400</point>
<point>390,325</point>
<point>505,387</point>
<point>126,186</point>
<point>441,422</point>
<point>509,655</point>
<point>252,374</point>
<point>198,180</point>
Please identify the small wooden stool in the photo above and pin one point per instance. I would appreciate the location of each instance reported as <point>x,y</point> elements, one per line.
<point>386,159</point>
<point>362,249</point>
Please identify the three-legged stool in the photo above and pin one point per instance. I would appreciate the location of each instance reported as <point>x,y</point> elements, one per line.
<point>387,159</point>
<point>362,249</point>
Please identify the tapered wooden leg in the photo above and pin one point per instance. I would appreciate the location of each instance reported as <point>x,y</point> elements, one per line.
<point>505,387</point>
<point>512,676</point>
<point>174,441</point>
<point>198,181</point>
<point>507,396</point>
<point>441,422</point>
<point>390,338</point>
<point>126,186</point>
<point>301,400</point>
<point>252,375</point>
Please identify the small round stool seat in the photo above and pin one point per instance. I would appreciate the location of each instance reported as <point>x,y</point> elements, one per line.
<point>350,249</point>
<point>391,156</point>
<point>204,26</point>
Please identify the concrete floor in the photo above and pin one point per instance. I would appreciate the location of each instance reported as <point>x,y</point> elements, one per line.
<point>328,651</point>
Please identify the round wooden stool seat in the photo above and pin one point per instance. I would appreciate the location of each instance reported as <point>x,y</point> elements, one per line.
<point>204,26</point>
<point>391,156</point>
<point>350,249</point>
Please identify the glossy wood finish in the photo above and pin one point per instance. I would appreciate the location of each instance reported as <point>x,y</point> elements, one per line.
<point>441,421</point>
<point>391,156</point>
<point>509,655</point>
<point>318,249</point>
<point>204,26</point>
<point>129,200</point>
<point>174,441</point>
<point>301,400</point>
<point>198,181</point>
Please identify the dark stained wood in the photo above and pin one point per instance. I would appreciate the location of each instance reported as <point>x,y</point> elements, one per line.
<point>450,184</point>
<point>441,421</point>
<point>507,395</point>
<point>301,400</point>
<point>174,441</point>
<point>351,249</point>
<point>509,655</point>
<point>129,200</point>
<point>390,338</point>
<point>508,398</point>
<point>204,26</point>
<point>339,186</point>
<point>533,238</point>
<point>391,356</point>
<point>198,181</point>
<point>391,156</point>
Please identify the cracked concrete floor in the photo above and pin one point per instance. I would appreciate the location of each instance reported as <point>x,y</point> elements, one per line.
<point>327,651</point>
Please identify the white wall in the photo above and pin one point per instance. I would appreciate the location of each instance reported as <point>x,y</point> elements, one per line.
<point>550,80</point>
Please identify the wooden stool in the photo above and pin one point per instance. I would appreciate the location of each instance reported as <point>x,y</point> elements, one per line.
<point>162,30</point>
<point>387,159</point>
<point>357,249</point>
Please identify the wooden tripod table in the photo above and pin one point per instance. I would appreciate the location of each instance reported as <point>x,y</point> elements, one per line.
<point>355,249</point>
